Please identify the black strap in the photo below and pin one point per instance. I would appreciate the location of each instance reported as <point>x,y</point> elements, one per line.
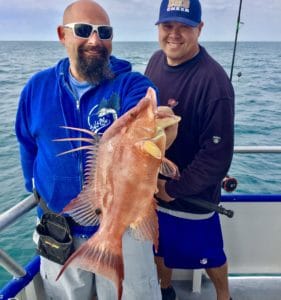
<point>41,202</point>
<point>45,208</point>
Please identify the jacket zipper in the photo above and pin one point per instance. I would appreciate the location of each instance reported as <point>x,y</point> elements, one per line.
<point>80,154</point>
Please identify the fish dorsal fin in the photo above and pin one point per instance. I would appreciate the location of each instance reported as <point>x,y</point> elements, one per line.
<point>85,208</point>
<point>146,226</point>
<point>169,169</point>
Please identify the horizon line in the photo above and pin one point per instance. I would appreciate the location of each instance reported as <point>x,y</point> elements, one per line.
<point>149,41</point>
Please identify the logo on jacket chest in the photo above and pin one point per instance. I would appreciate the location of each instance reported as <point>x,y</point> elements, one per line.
<point>100,120</point>
<point>102,115</point>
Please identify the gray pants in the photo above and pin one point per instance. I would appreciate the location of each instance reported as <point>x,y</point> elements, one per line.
<point>140,280</point>
<point>73,284</point>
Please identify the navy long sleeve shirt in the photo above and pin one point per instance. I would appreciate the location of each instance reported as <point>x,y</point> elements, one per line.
<point>203,148</point>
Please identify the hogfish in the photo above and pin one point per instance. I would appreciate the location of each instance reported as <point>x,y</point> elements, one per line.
<point>120,183</point>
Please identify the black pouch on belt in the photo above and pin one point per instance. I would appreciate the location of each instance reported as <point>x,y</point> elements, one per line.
<point>55,241</point>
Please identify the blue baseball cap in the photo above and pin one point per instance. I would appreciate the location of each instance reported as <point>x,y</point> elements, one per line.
<point>187,12</point>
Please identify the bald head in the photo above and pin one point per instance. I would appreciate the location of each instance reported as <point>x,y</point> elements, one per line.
<point>85,11</point>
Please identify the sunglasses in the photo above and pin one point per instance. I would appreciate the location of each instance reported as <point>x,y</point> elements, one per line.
<point>85,30</point>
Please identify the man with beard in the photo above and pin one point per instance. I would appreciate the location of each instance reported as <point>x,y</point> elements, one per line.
<point>89,89</point>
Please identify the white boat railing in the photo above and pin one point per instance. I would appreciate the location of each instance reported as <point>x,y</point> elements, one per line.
<point>11,215</point>
<point>7,218</point>
<point>257,149</point>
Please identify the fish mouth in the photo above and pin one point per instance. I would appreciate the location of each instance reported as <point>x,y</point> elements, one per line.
<point>167,121</point>
<point>165,117</point>
<point>159,134</point>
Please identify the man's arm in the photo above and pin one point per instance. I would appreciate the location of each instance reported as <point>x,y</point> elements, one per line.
<point>27,145</point>
<point>213,159</point>
<point>134,88</point>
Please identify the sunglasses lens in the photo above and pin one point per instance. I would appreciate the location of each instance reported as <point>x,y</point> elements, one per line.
<point>83,30</point>
<point>105,32</point>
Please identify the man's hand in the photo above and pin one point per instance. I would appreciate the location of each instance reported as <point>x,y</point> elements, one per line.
<point>171,131</point>
<point>162,192</point>
<point>171,134</point>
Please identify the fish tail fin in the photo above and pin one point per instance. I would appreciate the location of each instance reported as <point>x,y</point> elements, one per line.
<point>67,263</point>
<point>98,256</point>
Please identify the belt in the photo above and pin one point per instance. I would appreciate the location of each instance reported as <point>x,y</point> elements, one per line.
<point>71,222</point>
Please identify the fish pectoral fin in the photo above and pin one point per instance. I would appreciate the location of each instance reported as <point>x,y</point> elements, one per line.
<point>169,169</point>
<point>151,148</point>
<point>83,210</point>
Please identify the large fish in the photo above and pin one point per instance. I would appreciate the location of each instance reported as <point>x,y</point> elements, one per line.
<point>121,180</point>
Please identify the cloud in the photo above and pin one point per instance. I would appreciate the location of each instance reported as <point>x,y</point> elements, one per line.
<point>134,19</point>
<point>37,5</point>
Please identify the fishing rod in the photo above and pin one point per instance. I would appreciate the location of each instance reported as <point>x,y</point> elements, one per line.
<point>235,42</point>
<point>210,206</point>
<point>229,184</point>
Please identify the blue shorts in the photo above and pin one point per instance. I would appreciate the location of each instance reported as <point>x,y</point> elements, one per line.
<point>186,243</point>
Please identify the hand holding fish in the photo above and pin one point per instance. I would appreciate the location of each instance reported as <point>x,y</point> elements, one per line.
<point>171,128</point>
<point>162,192</point>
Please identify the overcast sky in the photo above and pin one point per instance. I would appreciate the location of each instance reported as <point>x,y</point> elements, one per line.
<point>133,20</point>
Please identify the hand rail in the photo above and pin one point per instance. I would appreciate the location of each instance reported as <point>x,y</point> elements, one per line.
<point>257,149</point>
<point>7,218</point>
<point>16,285</point>
<point>11,265</point>
<point>11,215</point>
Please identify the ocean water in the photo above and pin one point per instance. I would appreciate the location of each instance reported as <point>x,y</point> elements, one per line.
<point>258,119</point>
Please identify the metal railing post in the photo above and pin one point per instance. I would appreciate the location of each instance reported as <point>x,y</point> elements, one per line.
<point>10,265</point>
<point>7,218</point>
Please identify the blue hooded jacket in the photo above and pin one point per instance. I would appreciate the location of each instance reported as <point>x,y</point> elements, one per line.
<point>47,103</point>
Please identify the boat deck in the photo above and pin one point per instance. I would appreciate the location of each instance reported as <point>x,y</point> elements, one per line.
<point>241,288</point>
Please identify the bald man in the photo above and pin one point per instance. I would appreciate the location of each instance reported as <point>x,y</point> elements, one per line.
<point>88,89</point>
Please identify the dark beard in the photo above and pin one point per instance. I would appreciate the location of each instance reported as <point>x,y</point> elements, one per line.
<point>94,69</point>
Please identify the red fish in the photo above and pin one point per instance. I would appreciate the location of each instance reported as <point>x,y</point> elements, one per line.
<point>121,180</point>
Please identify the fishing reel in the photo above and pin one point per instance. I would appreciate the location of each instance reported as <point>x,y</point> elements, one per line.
<point>229,184</point>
